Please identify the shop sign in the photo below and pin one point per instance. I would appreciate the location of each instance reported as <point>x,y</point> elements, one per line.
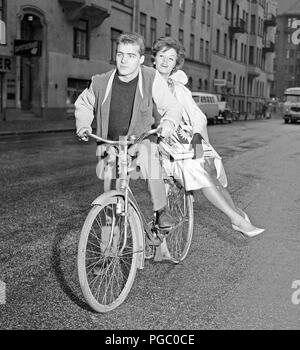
<point>220,82</point>
<point>28,47</point>
<point>296,33</point>
<point>6,64</point>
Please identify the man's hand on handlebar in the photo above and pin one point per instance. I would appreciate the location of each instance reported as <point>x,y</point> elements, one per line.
<point>84,132</point>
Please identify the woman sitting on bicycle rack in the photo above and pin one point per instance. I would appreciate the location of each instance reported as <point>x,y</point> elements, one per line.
<point>205,171</point>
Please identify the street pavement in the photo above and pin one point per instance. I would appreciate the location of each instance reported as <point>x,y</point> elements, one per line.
<point>226,282</point>
<point>30,125</point>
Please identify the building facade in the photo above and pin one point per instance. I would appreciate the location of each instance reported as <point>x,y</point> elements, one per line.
<point>287,62</point>
<point>243,52</point>
<point>54,47</point>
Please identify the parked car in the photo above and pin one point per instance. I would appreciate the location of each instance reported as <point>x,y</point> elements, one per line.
<point>225,113</point>
<point>208,103</point>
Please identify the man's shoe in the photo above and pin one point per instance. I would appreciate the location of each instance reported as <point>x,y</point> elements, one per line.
<point>164,219</point>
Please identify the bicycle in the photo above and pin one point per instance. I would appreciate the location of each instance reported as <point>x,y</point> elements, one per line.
<point>115,236</point>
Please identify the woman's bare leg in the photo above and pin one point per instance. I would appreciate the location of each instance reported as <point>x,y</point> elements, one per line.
<point>216,197</point>
<point>229,200</point>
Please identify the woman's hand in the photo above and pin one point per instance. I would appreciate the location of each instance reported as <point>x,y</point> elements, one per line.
<point>167,128</point>
<point>197,145</point>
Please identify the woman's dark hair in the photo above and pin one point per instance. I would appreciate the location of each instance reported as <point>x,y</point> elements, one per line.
<point>132,38</point>
<point>166,43</point>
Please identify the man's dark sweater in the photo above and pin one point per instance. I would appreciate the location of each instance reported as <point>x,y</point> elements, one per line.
<point>121,106</point>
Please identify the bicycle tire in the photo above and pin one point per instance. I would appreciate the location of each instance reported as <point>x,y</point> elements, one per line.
<point>178,240</point>
<point>106,275</point>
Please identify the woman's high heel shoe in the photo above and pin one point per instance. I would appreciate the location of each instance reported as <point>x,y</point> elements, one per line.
<point>252,233</point>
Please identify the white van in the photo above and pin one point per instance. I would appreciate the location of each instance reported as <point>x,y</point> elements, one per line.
<point>291,106</point>
<point>209,105</point>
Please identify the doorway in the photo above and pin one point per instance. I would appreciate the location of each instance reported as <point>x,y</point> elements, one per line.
<point>1,92</point>
<point>30,74</point>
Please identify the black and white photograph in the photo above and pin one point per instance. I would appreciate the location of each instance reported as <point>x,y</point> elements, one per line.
<point>149,168</point>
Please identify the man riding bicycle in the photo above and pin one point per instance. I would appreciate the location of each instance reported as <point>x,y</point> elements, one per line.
<point>123,101</point>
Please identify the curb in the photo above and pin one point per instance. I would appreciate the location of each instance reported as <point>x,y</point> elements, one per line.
<point>28,132</point>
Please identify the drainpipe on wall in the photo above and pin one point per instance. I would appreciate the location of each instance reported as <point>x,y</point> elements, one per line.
<point>135,15</point>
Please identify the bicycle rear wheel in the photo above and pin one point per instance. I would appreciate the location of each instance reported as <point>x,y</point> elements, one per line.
<point>107,256</point>
<point>179,239</point>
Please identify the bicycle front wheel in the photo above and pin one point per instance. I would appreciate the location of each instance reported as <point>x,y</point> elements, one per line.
<point>107,254</point>
<point>178,240</point>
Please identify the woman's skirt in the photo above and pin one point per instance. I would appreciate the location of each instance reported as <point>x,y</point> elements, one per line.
<point>195,174</point>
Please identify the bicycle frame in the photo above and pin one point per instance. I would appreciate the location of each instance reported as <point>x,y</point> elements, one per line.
<point>123,190</point>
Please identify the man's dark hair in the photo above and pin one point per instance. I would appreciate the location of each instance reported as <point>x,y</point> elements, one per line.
<point>132,38</point>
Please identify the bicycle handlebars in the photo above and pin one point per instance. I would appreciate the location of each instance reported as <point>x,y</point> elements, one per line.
<point>132,139</point>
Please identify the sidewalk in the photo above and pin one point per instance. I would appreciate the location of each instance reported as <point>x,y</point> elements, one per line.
<point>38,125</point>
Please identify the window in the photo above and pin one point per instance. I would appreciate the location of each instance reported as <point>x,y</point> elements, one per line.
<point>182,5</point>
<point>192,46</point>
<point>203,11</point>
<point>143,23</point>
<point>216,74</point>
<point>80,41</point>
<point>242,51</point>
<point>74,89</point>
<point>253,24</point>
<point>114,34</point>
<point>219,7</point>
<point>230,47</point>
<point>225,44</point>
<point>199,88</point>
<point>205,84</point>
<point>2,9</point>
<point>235,49</point>
<point>251,55</point>
<point>2,32</point>
<point>292,53</point>
<point>227,9</point>
<point>153,29</point>
<point>194,9</point>
<point>207,51</point>
<point>218,41</point>
<point>180,36</point>
<point>168,29</point>
<point>208,12</point>
<point>201,50</point>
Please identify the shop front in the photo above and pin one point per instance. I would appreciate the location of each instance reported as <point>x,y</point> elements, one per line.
<point>7,84</point>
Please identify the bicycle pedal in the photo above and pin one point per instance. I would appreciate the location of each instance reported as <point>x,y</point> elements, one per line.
<point>153,240</point>
<point>163,231</point>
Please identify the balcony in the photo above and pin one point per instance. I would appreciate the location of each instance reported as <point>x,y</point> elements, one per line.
<point>269,47</point>
<point>253,71</point>
<point>270,20</point>
<point>85,9</point>
<point>237,25</point>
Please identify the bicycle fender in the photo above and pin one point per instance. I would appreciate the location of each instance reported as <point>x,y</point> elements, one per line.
<point>104,196</point>
<point>102,199</point>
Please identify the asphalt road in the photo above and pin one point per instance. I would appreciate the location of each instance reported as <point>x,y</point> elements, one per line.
<point>47,183</point>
